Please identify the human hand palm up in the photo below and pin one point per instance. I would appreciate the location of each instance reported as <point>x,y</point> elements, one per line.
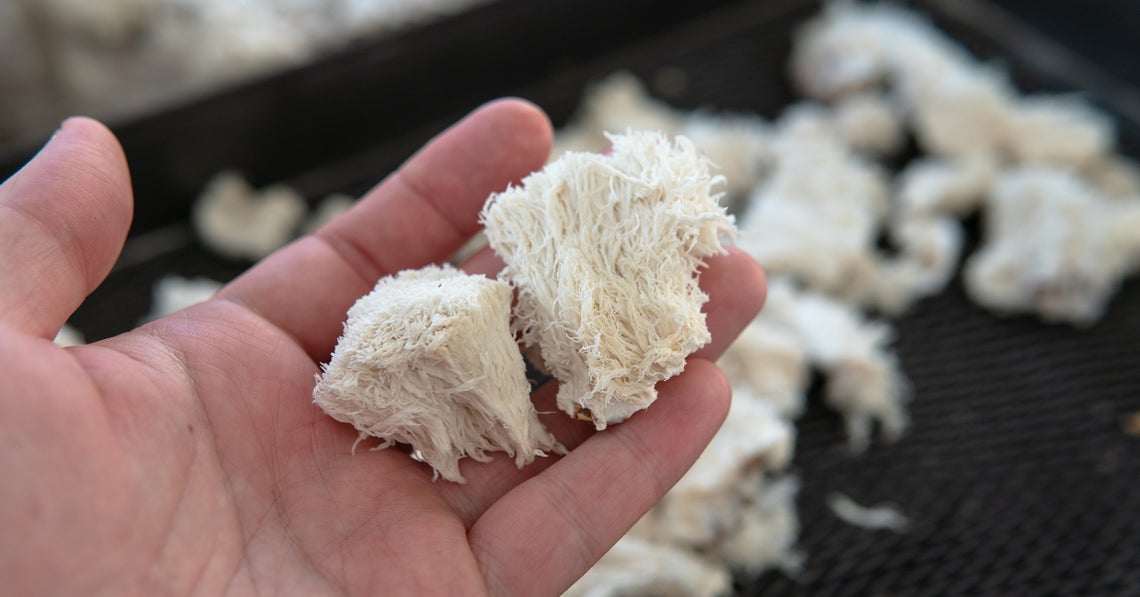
<point>186,456</point>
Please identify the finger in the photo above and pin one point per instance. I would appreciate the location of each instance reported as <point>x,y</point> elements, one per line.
<point>63,220</point>
<point>548,531</point>
<point>420,214</point>
<point>736,288</point>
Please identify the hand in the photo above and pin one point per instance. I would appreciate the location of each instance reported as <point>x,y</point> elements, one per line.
<point>186,456</point>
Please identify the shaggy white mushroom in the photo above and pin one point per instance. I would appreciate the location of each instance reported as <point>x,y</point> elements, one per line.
<point>839,53</point>
<point>604,251</point>
<point>427,359</point>
<point>767,529</point>
<point>1058,130</point>
<point>869,123</point>
<point>704,504</point>
<point>956,104</point>
<point>731,509</point>
<point>960,109</point>
<point>928,252</point>
<point>931,193</point>
<point>721,505</point>
<point>616,103</point>
<point>853,48</point>
<point>238,222</point>
<point>768,362</point>
<point>817,216</point>
<point>935,186</point>
<point>635,567</point>
<point>808,121</point>
<point>864,382</point>
<point>1114,176</point>
<point>174,293</point>
<point>1053,246</point>
<point>738,144</point>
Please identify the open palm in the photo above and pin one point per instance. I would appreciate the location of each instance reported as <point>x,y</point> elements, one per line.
<point>187,457</point>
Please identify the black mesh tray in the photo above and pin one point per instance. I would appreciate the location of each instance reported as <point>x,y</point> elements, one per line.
<point>1017,475</point>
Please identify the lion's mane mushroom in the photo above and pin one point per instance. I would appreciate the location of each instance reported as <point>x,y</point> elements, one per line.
<point>428,359</point>
<point>604,251</point>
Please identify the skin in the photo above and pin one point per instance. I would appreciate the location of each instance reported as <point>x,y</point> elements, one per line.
<point>186,456</point>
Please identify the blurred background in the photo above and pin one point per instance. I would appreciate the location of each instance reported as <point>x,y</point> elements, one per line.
<point>1016,473</point>
<point>278,88</point>
<point>124,58</point>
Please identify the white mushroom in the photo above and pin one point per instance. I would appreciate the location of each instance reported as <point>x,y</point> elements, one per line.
<point>729,503</point>
<point>870,123</point>
<point>238,222</point>
<point>604,251</point>
<point>768,362</point>
<point>614,104</point>
<point>864,381</point>
<point>937,186</point>
<point>174,293</point>
<point>1053,246</point>
<point>635,567</point>
<point>817,216</point>
<point>427,359</point>
<point>927,259</point>
<point>1058,130</point>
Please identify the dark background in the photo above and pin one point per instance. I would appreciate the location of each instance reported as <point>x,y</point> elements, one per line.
<point>1104,31</point>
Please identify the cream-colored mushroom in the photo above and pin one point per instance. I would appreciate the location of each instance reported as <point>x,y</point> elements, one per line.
<point>604,251</point>
<point>635,567</point>
<point>239,222</point>
<point>428,359</point>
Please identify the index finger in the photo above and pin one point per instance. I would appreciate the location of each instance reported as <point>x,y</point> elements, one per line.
<point>420,214</point>
<point>546,532</point>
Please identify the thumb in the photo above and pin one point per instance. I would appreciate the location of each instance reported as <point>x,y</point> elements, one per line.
<point>63,219</point>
